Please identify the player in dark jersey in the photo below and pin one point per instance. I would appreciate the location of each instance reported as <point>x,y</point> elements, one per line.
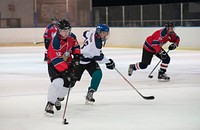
<point>153,46</point>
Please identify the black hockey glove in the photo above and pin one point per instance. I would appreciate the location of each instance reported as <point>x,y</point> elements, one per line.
<point>110,65</point>
<point>163,55</point>
<point>67,75</point>
<point>172,46</point>
<point>47,42</point>
<point>69,78</point>
<point>76,60</point>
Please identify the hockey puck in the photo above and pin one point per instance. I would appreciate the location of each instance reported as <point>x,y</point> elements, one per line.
<point>65,122</point>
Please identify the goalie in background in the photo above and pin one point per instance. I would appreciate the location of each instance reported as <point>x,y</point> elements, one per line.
<point>91,56</point>
<point>153,46</point>
<point>63,56</point>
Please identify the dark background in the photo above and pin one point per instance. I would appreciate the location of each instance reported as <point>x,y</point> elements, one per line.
<point>101,3</point>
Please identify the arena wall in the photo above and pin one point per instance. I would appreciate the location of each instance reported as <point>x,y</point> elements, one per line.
<point>119,37</point>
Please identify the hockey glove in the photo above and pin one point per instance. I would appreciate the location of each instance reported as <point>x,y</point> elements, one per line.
<point>47,42</point>
<point>67,75</point>
<point>110,65</point>
<point>163,55</point>
<point>172,46</point>
<point>69,78</point>
<point>76,60</point>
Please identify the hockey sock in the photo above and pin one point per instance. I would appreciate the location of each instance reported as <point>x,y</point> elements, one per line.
<point>139,65</point>
<point>96,79</point>
<point>163,67</point>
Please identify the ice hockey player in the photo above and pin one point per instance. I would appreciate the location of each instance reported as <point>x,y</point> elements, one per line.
<point>91,56</point>
<point>50,31</point>
<point>153,46</point>
<point>63,55</point>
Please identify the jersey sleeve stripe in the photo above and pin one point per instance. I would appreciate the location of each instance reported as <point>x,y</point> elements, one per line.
<point>57,61</point>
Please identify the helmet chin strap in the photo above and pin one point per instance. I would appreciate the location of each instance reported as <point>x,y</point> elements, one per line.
<point>104,42</point>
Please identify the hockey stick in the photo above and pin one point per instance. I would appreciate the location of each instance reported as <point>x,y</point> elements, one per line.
<point>38,42</point>
<point>151,76</point>
<point>65,122</point>
<point>145,97</point>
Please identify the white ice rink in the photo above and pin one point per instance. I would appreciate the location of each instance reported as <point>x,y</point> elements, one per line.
<point>24,83</point>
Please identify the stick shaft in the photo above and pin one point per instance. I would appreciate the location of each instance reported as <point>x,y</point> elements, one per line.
<point>65,109</point>
<point>38,42</point>
<point>156,66</point>
<point>145,97</point>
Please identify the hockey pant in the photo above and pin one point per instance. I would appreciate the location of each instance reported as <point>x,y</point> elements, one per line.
<point>95,72</point>
<point>147,58</point>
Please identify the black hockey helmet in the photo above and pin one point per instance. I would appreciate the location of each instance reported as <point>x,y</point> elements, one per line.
<point>63,24</point>
<point>54,18</point>
<point>169,24</point>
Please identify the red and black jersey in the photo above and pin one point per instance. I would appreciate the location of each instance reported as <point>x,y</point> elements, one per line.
<point>60,52</point>
<point>160,37</point>
<point>51,29</point>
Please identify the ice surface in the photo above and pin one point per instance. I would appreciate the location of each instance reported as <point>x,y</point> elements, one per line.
<point>24,83</point>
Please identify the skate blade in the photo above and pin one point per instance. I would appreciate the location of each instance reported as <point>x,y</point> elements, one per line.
<point>48,114</point>
<point>88,102</point>
<point>129,72</point>
<point>163,80</point>
<point>58,109</point>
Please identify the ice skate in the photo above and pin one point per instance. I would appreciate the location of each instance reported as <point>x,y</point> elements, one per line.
<point>162,76</point>
<point>89,97</point>
<point>49,109</point>
<point>130,69</point>
<point>58,103</point>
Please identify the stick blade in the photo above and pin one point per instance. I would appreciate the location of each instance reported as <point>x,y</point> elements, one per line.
<point>149,97</point>
<point>65,122</point>
<point>150,76</point>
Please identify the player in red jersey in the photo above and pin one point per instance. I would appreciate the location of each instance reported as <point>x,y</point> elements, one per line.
<point>153,46</point>
<point>63,54</point>
<point>50,30</point>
